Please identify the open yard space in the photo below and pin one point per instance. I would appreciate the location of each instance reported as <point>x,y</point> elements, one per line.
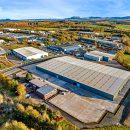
<point>16,61</point>
<point>81,109</point>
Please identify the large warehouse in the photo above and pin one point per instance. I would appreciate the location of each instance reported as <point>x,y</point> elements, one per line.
<point>102,80</point>
<point>28,53</point>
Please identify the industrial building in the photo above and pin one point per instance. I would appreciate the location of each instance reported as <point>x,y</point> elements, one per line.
<point>29,53</point>
<point>67,49</point>
<point>100,42</point>
<point>2,41</point>
<point>46,92</point>
<point>96,78</point>
<point>11,29</point>
<point>89,33</point>
<point>4,52</point>
<point>36,84</point>
<point>42,89</point>
<point>99,56</point>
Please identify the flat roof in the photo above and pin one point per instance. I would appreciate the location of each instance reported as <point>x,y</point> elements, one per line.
<point>71,46</point>
<point>29,51</point>
<point>44,90</point>
<point>100,54</point>
<point>98,40</point>
<point>97,76</point>
<point>89,53</point>
<point>37,82</point>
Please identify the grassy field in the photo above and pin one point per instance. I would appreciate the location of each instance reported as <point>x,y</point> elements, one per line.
<point>96,26</point>
<point>66,125</point>
<point>123,27</point>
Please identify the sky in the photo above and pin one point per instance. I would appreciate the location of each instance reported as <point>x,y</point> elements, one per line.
<point>38,9</point>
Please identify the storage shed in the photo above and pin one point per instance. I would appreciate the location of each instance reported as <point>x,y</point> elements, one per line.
<point>46,92</point>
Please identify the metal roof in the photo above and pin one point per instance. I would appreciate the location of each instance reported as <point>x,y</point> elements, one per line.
<point>37,82</point>
<point>44,90</point>
<point>98,53</point>
<point>100,77</point>
<point>29,51</point>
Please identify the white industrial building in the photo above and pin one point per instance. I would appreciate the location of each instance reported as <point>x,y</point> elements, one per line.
<point>29,53</point>
<point>71,48</point>
<point>99,56</point>
<point>11,29</point>
<point>89,33</point>
<point>2,41</point>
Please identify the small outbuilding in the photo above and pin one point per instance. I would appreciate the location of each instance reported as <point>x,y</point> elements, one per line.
<point>36,83</point>
<point>46,92</point>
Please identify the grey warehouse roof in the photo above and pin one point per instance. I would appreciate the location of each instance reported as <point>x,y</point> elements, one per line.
<point>37,82</point>
<point>98,53</point>
<point>97,76</point>
<point>44,90</point>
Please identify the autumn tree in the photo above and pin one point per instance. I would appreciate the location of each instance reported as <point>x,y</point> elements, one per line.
<point>21,90</point>
<point>14,125</point>
<point>126,40</point>
<point>1,99</point>
<point>20,107</point>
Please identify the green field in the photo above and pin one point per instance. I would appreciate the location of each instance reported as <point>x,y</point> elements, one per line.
<point>123,27</point>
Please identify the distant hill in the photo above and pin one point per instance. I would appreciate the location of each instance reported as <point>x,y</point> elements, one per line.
<point>98,18</point>
<point>7,20</point>
<point>74,18</point>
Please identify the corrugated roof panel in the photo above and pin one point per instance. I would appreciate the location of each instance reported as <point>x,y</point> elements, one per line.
<point>101,82</point>
<point>96,80</point>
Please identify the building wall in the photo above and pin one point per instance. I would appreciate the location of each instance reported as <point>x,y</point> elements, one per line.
<point>47,95</point>
<point>103,43</point>
<point>37,56</point>
<point>20,56</point>
<point>106,58</point>
<point>88,88</point>
<point>67,49</point>
<point>91,57</point>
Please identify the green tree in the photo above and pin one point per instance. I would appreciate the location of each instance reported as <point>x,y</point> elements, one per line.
<point>29,76</point>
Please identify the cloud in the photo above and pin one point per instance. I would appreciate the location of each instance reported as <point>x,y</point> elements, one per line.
<point>20,9</point>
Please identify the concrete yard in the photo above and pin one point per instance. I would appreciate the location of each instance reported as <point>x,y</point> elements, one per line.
<point>92,106</point>
<point>81,109</point>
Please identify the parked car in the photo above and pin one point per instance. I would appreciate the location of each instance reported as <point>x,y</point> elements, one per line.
<point>27,95</point>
